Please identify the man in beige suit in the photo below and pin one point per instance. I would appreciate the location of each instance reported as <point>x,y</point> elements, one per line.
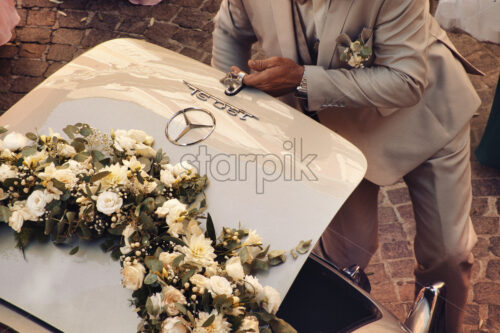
<point>408,109</point>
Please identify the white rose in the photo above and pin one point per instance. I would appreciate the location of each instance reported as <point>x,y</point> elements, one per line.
<point>234,269</point>
<point>171,295</point>
<point>32,160</point>
<point>16,221</point>
<point>193,228</point>
<point>175,325</point>
<point>109,203</point>
<point>123,142</point>
<point>199,281</point>
<point>138,135</point>
<point>248,324</point>
<point>167,177</point>
<point>3,194</point>
<point>67,177</point>
<point>65,150</point>
<point>252,239</point>
<point>6,171</point>
<point>167,258</point>
<point>133,276</point>
<point>126,233</point>
<point>76,167</point>
<point>183,169</point>
<point>15,141</point>
<point>144,150</point>
<point>254,287</point>
<point>156,302</point>
<point>218,285</point>
<point>175,210</point>
<point>272,300</point>
<point>36,203</point>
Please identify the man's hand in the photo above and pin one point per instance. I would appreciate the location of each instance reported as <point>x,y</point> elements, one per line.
<point>276,76</point>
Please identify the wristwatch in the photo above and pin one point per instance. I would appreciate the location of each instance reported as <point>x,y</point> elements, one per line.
<point>301,90</point>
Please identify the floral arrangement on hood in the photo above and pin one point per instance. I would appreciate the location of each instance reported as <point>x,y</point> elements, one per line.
<point>184,277</point>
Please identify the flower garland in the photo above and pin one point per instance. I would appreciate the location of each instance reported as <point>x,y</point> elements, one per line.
<point>118,188</point>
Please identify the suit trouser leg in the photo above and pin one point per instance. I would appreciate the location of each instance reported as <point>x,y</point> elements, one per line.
<point>441,193</point>
<point>351,237</point>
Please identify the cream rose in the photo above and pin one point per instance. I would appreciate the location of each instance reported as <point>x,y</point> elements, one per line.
<point>156,304</point>
<point>234,269</point>
<point>144,150</point>
<point>249,324</point>
<point>126,233</point>
<point>16,221</point>
<point>167,258</point>
<point>36,202</point>
<point>272,300</point>
<point>253,286</point>
<point>109,202</point>
<point>133,276</point>
<point>6,172</point>
<point>175,325</point>
<point>65,150</point>
<point>218,285</point>
<point>199,281</point>
<point>167,177</point>
<point>171,295</point>
<point>183,169</point>
<point>15,141</point>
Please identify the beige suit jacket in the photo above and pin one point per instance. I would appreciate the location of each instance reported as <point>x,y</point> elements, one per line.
<point>411,100</point>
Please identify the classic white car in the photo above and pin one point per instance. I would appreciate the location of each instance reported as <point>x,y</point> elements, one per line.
<point>270,167</point>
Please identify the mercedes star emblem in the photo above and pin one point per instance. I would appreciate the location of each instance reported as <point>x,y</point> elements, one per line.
<point>181,130</point>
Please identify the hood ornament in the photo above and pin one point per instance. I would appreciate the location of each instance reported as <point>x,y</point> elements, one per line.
<point>233,83</point>
<point>194,128</point>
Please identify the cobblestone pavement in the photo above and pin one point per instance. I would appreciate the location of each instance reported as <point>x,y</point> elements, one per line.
<point>50,35</point>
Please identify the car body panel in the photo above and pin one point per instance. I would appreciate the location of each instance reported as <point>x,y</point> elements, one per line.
<point>128,83</point>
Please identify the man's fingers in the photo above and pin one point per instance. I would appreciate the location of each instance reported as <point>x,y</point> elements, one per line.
<point>235,70</point>
<point>260,65</point>
<point>256,79</point>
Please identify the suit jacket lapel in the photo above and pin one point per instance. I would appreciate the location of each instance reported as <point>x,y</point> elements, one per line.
<point>337,15</point>
<point>283,19</point>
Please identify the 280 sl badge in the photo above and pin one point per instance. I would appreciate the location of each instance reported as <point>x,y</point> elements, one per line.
<point>218,103</point>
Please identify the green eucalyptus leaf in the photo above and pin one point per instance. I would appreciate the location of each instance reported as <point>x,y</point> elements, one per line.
<point>244,254</point>
<point>97,156</point>
<point>70,131</point>
<point>280,326</point>
<point>209,321</point>
<point>150,279</point>
<point>211,229</point>
<point>31,136</point>
<point>182,309</point>
<point>5,214</point>
<point>177,261</point>
<point>78,145</point>
<point>99,176</point>
<point>187,276</point>
<point>74,250</point>
<point>3,130</point>
<point>81,156</point>
<point>28,151</point>
<point>85,131</point>
<point>304,246</point>
<point>59,185</point>
<point>276,257</point>
<point>49,225</point>
<point>260,265</point>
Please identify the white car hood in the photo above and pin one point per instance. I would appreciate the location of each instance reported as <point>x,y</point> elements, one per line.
<point>126,83</point>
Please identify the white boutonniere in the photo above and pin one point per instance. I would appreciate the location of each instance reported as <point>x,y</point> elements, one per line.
<point>356,54</point>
